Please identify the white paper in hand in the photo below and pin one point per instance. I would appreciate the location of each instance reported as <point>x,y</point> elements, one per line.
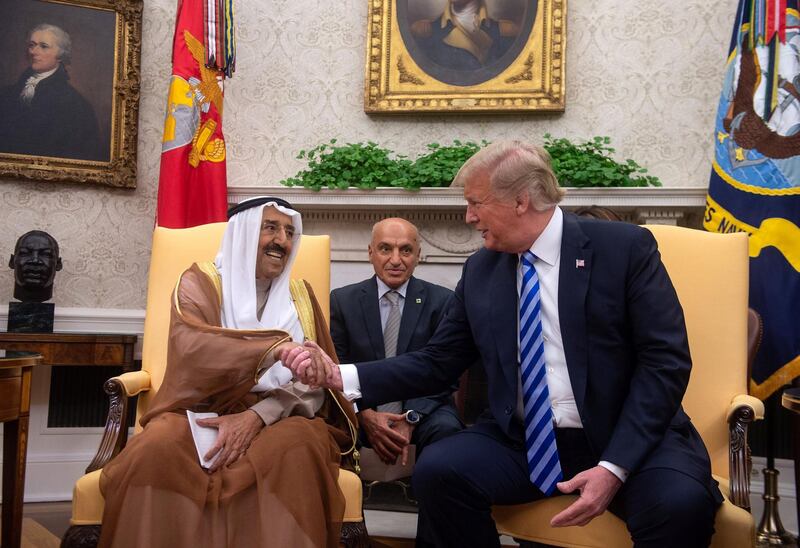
<point>204,436</point>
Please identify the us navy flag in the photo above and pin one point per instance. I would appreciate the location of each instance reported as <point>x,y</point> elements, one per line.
<point>755,180</point>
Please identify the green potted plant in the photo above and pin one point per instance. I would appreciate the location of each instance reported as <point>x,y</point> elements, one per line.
<point>368,166</point>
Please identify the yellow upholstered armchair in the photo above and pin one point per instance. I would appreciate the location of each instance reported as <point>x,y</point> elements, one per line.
<point>173,252</point>
<point>710,274</point>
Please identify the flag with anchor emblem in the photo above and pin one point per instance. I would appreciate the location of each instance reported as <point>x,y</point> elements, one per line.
<point>755,176</point>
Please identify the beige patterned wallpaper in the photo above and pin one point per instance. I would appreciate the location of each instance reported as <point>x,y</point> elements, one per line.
<point>646,73</point>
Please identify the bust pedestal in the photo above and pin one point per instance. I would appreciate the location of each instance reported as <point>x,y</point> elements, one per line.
<point>30,317</point>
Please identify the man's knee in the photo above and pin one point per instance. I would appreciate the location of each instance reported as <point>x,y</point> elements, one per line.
<point>438,426</point>
<point>679,510</point>
<point>429,471</point>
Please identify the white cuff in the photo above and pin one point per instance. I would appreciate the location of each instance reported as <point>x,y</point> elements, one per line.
<point>618,471</point>
<point>351,387</point>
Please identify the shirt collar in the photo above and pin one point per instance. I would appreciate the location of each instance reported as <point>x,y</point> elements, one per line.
<point>448,16</point>
<point>547,246</point>
<point>39,76</point>
<point>383,289</point>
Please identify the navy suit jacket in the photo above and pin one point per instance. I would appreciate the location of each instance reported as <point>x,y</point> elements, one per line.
<point>624,339</point>
<point>357,334</point>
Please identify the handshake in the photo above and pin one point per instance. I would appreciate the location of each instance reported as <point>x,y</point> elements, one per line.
<point>310,364</point>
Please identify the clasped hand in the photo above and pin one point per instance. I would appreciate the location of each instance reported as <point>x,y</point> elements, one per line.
<point>311,365</point>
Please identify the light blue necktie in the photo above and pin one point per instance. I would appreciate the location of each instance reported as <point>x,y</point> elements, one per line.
<point>540,438</point>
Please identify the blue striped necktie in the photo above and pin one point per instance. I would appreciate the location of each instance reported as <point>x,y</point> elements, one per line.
<point>540,438</point>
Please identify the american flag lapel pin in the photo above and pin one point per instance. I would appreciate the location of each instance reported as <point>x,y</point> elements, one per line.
<point>580,263</point>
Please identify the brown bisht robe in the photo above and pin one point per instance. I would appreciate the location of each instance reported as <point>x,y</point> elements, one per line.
<point>282,492</point>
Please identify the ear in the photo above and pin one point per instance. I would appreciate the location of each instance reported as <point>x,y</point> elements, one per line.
<point>11,262</point>
<point>522,203</point>
<point>369,251</point>
<point>59,264</point>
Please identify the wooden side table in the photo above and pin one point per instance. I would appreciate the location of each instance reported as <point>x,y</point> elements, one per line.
<point>75,348</point>
<point>15,404</point>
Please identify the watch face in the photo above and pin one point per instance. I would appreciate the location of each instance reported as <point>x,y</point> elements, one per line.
<point>412,416</point>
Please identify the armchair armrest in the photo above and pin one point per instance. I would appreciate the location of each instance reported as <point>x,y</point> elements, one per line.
<point>743,410</point>
<point>115,435</point>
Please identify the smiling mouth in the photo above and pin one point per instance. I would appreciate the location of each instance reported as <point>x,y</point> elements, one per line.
<point>274,253</point>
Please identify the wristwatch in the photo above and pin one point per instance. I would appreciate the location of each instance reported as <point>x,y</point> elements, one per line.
<point>412,417</point>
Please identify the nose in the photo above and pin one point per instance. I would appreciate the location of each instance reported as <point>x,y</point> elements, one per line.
<point>280,235</point>
<point>470,217</point>
<point>395,257</point>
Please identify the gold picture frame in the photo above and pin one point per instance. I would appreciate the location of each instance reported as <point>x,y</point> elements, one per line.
<point>411,66</point>
<point>69,90</point>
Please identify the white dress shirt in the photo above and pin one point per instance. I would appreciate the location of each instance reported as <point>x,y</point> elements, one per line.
<point>547,249</point>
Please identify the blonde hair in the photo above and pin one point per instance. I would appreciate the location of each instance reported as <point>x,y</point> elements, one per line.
<point>514,167</point>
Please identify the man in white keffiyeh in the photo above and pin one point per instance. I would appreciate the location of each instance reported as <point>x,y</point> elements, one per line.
<point>270,479</point>
<point>262,238</point>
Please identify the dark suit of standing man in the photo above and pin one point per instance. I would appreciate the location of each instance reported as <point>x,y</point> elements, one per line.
<point>616,362</point>
<point>357,329</point>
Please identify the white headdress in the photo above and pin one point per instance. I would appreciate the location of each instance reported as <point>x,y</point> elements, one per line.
<point>236,262</point>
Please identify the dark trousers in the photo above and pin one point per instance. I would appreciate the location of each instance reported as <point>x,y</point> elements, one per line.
<point>461,477</point>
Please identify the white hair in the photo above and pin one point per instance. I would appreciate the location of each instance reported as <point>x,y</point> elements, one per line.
<point>63,41</point>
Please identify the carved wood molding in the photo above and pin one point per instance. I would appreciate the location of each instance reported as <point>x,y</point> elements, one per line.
<point>348,215</point>
<point>115,435</point>
<point>739,456</point>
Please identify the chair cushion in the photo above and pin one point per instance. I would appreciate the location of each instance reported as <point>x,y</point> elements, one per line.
<point>734,526</point>
<point>88,502</point>
<point>531,521</point>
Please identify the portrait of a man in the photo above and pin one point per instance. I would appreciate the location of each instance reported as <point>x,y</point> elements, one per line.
<point>464,37</point>
<point>465,42</point>
<point>42,114</point>
<point>56,81</point>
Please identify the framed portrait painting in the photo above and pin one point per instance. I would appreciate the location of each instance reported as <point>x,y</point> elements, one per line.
<point>465,56</point>
<point>69,90</point>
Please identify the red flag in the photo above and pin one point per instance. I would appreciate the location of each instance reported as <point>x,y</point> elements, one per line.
<point>192,184</point>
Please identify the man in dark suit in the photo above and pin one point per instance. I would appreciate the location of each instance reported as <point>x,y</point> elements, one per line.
<point>585,349</point>
<point>464,37</point>
<point>42,114</point>
<point>361,328</point>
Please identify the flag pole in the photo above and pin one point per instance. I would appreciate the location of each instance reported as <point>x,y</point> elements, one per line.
<point>770,530</point>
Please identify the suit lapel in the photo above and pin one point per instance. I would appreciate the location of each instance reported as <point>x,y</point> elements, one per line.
<point>504,316</point>
<point>412,308</point>
<point>372,316</point>
<point>573,283</point>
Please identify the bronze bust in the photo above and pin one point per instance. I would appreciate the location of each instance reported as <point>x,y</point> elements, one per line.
<point>35,262</point>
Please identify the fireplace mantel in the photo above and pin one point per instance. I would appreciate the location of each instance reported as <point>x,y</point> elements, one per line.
<point>439,213</point>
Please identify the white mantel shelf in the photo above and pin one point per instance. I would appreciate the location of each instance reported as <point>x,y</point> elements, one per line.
<point>348,215</point>
<point>451,199</point>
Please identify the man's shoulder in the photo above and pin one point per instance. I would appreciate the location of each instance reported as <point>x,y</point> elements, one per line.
<point>201,272</point>
<point>433,289</point>
<point>351,290</point>
<point>604,229</point>
<point>483,258</point>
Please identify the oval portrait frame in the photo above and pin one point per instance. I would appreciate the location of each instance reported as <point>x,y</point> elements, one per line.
<point>463,78</point>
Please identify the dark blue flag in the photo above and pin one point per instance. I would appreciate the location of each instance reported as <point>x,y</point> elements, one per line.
<point>755,180</point>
